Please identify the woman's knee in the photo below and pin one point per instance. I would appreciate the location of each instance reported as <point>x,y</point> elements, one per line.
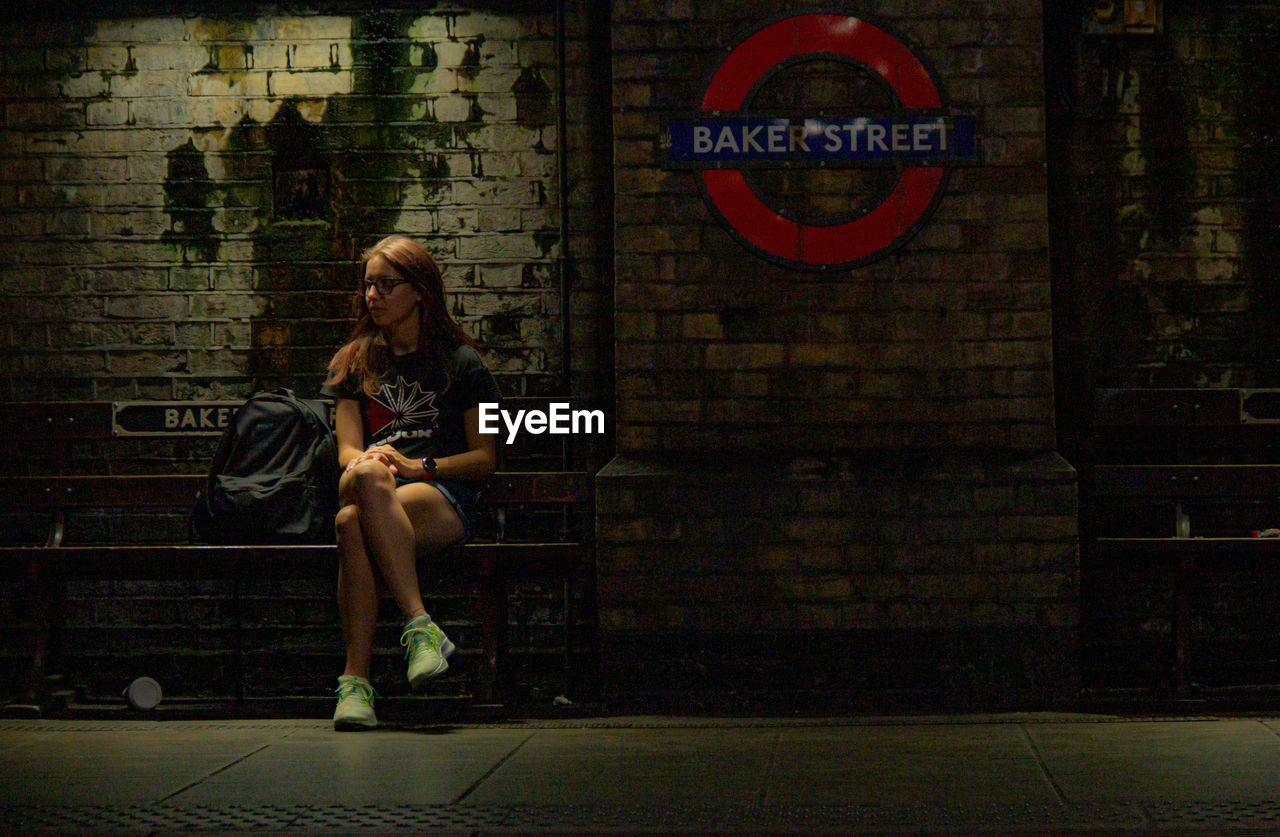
<point>371,482</point>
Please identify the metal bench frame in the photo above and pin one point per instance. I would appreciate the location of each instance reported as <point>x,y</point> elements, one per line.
<point>489,563</point>
<point>1179,480</point>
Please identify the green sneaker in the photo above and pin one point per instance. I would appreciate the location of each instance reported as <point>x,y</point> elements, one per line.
<point>427,650</point>
<point>355,704</point>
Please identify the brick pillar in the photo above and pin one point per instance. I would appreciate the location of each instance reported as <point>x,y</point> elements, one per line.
<point>837,481</point>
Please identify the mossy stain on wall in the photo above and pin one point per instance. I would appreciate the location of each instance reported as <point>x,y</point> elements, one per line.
<point>189,200</point>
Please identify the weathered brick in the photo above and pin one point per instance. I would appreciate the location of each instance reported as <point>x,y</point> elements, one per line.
<point>144,363</point>
<point>745,355</point>
<point>227,305</point>
<point>146,307</point>
<point>106,57</point>
<point>164,83</point>
<point>313,83</point>
<point>228,84</point>
<point>141,30</point>
<point>159,112</point>
<point>168,55</point>
<point>116,279</point>
<point>83,85</point>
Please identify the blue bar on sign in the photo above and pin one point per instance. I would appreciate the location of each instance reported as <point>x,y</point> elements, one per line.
<point>769,139</point>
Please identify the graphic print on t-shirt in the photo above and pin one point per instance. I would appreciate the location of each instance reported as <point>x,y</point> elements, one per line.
<point>402,410</point>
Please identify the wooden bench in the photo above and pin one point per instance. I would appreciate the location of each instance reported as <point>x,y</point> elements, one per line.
<point>1184,479</point>
<point>489,561</point>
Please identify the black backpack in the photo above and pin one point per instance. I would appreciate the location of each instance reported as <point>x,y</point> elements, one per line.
<point>274,477</point>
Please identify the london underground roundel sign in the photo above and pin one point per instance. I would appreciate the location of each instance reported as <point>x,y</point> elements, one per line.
<point>725,140</point>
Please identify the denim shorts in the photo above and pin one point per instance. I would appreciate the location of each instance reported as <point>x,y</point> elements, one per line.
<point>463,496</point>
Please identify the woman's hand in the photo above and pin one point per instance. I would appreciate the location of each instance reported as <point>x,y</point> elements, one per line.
<point>399,464</point>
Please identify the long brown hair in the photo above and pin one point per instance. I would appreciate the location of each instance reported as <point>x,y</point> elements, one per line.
<point>366,356</point>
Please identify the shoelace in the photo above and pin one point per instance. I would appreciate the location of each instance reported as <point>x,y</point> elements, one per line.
<point>363,691</point>
<point>412,636</point>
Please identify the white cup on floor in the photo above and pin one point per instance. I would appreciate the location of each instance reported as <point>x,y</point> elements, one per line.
<point>143,693</point>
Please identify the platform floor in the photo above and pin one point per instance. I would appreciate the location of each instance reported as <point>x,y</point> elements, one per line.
<point>980,774</point>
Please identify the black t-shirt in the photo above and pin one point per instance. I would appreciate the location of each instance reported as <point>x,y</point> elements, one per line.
<point>413,411</point>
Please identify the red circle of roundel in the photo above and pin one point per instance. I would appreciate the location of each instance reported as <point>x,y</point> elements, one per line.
<point>808,244</point>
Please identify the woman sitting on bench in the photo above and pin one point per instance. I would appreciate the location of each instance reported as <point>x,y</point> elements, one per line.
<point>407,386</point>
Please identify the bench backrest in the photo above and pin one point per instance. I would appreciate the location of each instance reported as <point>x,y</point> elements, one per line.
<point>1161,455</point>
<point>86,483</point>
<point>39,421</point>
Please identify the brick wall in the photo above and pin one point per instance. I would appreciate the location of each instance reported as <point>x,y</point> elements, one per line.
<point>944,345</point>
<point>1165,213</point>
<point>839,481</point>
<point>184,196</point>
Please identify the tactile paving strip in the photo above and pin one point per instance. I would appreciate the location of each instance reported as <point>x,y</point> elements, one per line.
<point>133,818</point>
<point>828,818</point>
<point>152,726</point>
<point>1216,815</point>
<point>1083,819</point>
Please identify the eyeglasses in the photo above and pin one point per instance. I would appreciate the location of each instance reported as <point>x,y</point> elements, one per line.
<point>385,284</point>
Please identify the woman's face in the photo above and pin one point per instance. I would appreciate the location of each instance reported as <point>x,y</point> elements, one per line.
<point>391,298</point>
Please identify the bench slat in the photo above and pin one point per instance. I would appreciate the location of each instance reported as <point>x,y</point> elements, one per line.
<point>176,561</point>
<point>100,491</point>
<point>178,490</point>
<point>540,487</point>
<point>1187,481</point>
<point>1166,407</point>
<point>1171,430</point>
<point>43,420</point>
<point>486,565</point>
<point>1197,548</point>
<point>58,419</point>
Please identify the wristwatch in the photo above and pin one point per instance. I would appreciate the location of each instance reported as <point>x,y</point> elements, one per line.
<point>428,465</point>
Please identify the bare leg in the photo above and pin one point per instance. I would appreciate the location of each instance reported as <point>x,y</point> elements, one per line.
<point>388,534</point>
<point>357,593</point>
<point>385,527</point>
